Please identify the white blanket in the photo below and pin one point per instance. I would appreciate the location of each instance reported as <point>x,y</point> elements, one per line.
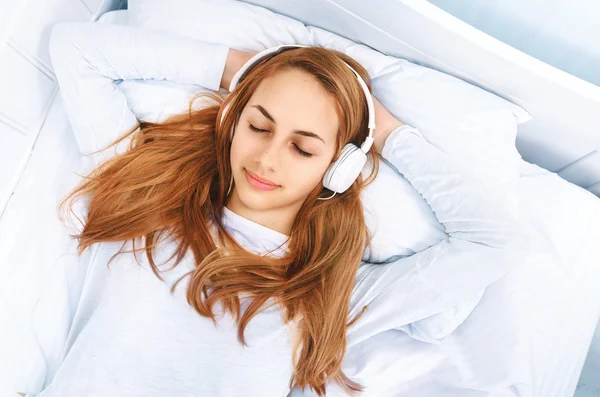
<point>530,333</point>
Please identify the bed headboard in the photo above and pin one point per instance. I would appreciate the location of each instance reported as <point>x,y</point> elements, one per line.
<point>564,135</point>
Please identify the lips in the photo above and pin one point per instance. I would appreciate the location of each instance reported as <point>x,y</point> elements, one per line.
<point>262,180</point>
<point>257,182</point>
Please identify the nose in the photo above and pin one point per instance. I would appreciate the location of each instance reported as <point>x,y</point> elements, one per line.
<point>269,155</point>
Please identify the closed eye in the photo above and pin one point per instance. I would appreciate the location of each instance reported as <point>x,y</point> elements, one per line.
<point>300,151</point>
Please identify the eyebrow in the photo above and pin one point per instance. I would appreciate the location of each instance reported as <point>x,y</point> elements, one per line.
<point>299,132</point>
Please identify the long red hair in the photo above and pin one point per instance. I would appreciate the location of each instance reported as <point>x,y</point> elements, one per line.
<point>174,178</point>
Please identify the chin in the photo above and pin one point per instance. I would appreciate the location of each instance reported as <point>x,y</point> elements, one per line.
<point>258,203</point>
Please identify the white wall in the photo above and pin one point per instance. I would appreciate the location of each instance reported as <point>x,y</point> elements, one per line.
<point>563,33</point>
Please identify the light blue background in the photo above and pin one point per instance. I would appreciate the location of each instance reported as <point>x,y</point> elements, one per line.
<point>562,33</point>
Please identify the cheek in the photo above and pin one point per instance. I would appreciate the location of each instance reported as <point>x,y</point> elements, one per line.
<point>306,176</point>
<point>241,148</point>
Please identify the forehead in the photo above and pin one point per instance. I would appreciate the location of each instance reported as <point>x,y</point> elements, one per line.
<point>297,101</point>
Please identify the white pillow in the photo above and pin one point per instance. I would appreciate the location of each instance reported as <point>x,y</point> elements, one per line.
<point>461,118</point>
<point>477,126</point>
<point>410,226</point>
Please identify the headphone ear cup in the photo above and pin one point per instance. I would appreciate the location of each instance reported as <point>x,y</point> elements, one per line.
<point>345,170</point>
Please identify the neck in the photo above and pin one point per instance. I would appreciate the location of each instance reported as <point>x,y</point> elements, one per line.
<point>278,219</point>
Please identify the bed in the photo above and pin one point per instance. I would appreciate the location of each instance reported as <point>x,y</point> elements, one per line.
<point>529,335</point>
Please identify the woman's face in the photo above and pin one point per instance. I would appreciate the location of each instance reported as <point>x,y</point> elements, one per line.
<point>287,135</point>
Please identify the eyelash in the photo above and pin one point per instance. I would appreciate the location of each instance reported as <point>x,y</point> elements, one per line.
<point>300,151</point>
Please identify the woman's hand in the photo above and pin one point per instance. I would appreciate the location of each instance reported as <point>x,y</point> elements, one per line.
<point>385,123</point>
<point>235,60</point>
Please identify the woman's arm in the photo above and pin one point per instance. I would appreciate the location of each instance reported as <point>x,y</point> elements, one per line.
<point>89,58</point>
<point>480,231</point>
<point>235,60</point>
<point>385,123</point>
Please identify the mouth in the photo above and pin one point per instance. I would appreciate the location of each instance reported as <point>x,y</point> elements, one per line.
<point>258,182</point>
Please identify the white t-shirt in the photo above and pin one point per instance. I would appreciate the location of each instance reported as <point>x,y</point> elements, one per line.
<point>131,337</point>
<point>131,332</point>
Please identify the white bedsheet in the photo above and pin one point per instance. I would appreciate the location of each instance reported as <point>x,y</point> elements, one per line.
<point>529,335</point>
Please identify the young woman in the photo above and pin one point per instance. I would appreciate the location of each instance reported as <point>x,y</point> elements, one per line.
<point>251,283</point>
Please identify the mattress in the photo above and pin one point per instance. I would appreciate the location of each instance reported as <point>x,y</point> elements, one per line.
<point>528,336</point>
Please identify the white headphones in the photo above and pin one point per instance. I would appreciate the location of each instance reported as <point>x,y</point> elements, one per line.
<point>344,171</point>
